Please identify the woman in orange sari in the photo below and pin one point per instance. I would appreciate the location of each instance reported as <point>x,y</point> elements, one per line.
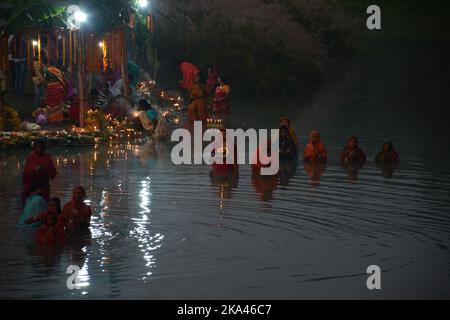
<point>197,107</point>
<point>54,94</point>
<point>315,171</point>
<point>315,150</point>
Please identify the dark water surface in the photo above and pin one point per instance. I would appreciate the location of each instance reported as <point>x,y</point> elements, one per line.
<point>161,231</point>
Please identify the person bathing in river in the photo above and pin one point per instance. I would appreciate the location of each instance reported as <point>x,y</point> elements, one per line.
<point>35,204</point>
<point>224,168</point>
<point>352,154</point>
<point>54,207</point>
<point>353,158</point>
<point>75,215</point>
<point>387,159</point>
<point>222,97</point>
<point>39,168</point>
<point>315,150</point>
<point>50,233</point>
<point>197,107</point>
<point>387,155</point>
<point>287,122</point>
<point>288,147</point>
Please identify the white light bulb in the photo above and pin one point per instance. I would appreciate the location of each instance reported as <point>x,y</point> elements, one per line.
<point>143,3</point>
<point>80,16</point>
<point>34,43</point>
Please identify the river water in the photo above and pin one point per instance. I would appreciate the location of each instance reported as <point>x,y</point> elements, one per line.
<point>161,231</point>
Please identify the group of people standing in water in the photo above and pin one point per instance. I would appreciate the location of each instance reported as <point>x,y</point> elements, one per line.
<point>206,97</point>
<point>315,151</point>
<point>54,226</point>
<point>315,157</point>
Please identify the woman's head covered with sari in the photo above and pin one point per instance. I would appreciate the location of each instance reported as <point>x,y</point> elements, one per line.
<point>314,137</point>
<point>287,122</point>
<point>388,146</point>
<point>352,142</point>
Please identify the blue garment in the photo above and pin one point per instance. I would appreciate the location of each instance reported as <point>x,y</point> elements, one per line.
<point>35,205</point>
<point>152,114</point>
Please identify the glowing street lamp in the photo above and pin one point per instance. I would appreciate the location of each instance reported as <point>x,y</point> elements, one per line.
<point>143,3</point>
<point>80,16</point>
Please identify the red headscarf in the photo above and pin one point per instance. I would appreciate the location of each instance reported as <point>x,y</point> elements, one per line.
<point>189,71</point>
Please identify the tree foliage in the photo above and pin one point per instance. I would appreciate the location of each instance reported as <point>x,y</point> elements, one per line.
<point>261,46</point>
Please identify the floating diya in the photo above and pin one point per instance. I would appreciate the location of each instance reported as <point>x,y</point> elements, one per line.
<point>223,151</point>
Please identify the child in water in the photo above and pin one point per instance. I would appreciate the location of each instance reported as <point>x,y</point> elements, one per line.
<point>50,234</point>
<point>54,208</point>
<point>315,150</point>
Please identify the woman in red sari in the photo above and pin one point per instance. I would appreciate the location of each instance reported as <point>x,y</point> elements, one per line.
<point>189,72</point>
<point>225,168</point>
<point>50,233</point>
<point>75,215</point>
<point>54,94</point>
<point>222,97</point>
<point>39,168</point>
